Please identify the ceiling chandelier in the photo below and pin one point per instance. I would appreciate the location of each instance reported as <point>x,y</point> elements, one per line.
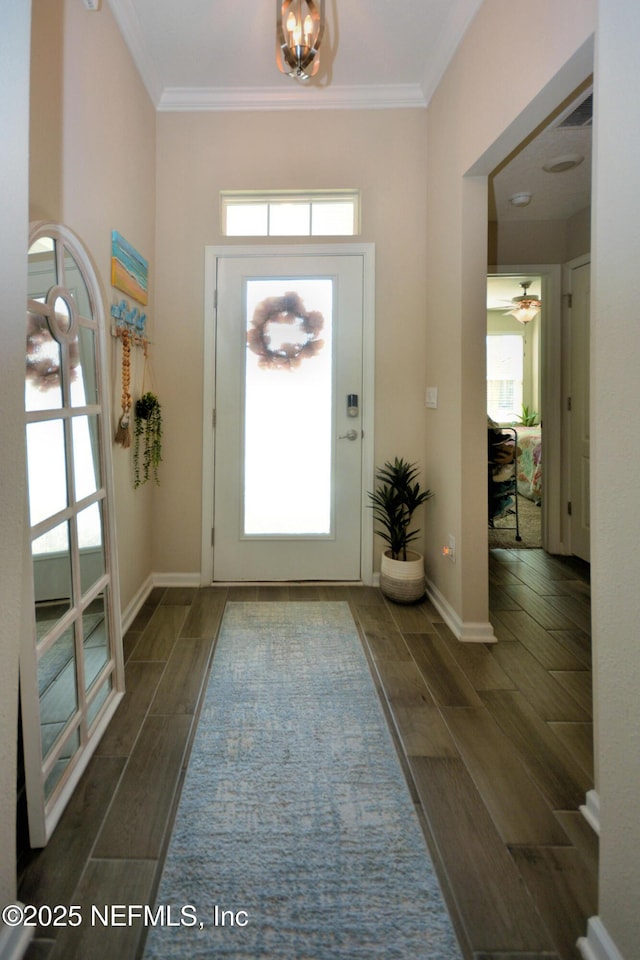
<point>299,29</point>
<point>526,307</point>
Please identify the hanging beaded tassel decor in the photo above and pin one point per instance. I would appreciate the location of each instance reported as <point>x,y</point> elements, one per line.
<point>123,433</point>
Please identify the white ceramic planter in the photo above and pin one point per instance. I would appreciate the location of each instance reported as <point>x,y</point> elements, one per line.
<point>402,580</point>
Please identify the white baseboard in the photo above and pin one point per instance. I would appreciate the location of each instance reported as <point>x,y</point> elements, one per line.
<point>469,632</point>
<point>598,945</point>
<point>155,580</point>
<point>176,579</point>
<point>591,810</point>
<point>466,632</point>
<point>133,607</point>
<point>14,941</point>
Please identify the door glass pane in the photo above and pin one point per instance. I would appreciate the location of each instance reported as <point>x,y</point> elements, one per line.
<point>288,407</point>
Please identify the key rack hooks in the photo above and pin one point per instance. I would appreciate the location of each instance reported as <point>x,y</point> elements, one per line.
<point>129,325</point>
<point>129,328</point>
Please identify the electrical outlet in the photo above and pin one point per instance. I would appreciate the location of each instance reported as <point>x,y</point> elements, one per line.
<point>449,549</point>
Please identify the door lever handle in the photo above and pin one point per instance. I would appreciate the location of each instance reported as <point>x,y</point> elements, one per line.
<point>349,435</point>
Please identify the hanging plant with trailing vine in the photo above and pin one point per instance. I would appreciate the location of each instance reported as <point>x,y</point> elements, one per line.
<point>148,434</point>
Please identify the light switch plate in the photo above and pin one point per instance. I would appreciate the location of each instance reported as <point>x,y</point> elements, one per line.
<point>431,397</point>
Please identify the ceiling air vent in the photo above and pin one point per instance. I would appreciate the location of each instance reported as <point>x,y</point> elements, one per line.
<point>582,116</point>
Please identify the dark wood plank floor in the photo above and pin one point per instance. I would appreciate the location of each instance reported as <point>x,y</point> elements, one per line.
<point>495,740</point>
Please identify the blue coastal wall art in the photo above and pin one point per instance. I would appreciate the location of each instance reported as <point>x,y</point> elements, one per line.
<point>129,270</point>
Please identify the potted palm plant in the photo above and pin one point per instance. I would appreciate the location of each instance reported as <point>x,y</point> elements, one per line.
<point>395,499</point>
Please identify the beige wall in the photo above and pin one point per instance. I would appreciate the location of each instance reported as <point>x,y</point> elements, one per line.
<point>530,241</point>
<point>93,169</point>
<point>540,241</point>
<point>382,153</point>
<point>579,234</point>
<point>615,391</point>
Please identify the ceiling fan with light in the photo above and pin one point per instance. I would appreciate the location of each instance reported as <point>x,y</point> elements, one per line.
<point>525,307</point>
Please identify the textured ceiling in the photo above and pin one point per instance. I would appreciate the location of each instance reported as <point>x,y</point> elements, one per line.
<point>554,196</point>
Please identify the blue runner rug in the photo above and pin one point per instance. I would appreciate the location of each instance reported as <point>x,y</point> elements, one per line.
<point>296,836</point>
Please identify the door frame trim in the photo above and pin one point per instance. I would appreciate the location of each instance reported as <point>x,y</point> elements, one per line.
<point>576,263</point>
<point>212,255</point>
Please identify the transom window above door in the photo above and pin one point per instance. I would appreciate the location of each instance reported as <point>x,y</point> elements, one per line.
<point>319,213</point>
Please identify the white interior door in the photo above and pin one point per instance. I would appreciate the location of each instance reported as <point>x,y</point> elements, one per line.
<point>288,479</point>
<point>579,411</point>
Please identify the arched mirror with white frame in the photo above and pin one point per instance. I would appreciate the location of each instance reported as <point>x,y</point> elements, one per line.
<point>71,670</point>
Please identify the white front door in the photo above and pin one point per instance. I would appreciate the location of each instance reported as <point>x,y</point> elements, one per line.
<point>289,403</point>
<point>579,519</point>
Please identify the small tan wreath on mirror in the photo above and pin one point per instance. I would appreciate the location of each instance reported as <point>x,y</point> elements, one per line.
<point>287,309</point>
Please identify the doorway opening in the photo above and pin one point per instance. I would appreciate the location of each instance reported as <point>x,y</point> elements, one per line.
<point>541,207</point>
<point>514,414</point>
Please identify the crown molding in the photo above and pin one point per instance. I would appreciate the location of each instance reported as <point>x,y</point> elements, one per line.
<point>293,97</point>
